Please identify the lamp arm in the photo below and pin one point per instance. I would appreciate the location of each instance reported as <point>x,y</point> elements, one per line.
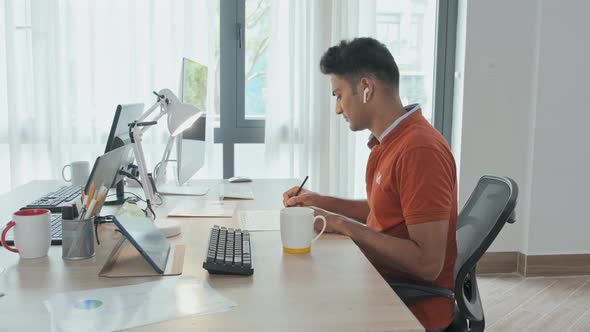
<point>165,156</point>
<point>150,110</point>
<point>144,116</point>
<point>143,173</point>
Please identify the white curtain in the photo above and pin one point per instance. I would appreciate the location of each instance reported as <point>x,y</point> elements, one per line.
<point>303,134</point>
<point>66,64</point>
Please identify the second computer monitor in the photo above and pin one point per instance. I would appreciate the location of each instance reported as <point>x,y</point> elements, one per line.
<point>118,137</point>
<point>119,133</point>
<point>190,145</point>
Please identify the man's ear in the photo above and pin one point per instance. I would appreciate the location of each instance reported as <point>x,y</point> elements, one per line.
<point>367,87</point>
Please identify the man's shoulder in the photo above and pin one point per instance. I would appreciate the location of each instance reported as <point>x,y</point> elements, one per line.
<point>419,145</point>
<point>420,136</point>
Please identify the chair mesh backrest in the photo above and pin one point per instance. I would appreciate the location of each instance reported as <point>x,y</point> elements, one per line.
<point>480,221</point>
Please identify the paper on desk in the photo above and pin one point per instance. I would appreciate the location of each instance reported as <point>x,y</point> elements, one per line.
<point>236,191</point>
<point>267,220</point>
<point>202,208</point>
<point>186,190</point>
<point>116,308</point>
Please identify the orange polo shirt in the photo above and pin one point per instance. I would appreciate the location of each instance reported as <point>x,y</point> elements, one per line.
<point>411,179</point>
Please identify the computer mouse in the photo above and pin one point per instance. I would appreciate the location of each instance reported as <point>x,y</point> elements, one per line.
<point>237,179</point>
<point>169,228</point>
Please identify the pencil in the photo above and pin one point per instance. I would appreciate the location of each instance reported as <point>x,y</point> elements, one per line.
<point>100,196</point>
<point>90,195</point>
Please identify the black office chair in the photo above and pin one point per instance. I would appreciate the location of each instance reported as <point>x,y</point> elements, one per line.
<point>489,207</point>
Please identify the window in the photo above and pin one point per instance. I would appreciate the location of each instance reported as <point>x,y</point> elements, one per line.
<point>388,30</point>
<point>416,31</point>
<point>408,28</point>
<point>118,51</point>
<point>256,40</point>
<point>401,26</point>
<point>83,59</point>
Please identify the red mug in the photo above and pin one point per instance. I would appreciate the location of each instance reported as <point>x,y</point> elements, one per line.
<point>32,233</point>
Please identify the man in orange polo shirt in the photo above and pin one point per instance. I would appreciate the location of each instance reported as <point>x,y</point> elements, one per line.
<point>406,227</point>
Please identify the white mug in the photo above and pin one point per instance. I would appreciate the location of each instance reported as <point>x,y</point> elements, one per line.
<point>79,171</point>
<point>297,229</point>
<point>32,236</point>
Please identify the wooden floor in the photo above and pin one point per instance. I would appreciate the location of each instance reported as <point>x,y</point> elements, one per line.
<point>514,303</point>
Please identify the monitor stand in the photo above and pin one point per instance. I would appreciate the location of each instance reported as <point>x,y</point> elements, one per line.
<point>169,228</point>
<point>120,195</point>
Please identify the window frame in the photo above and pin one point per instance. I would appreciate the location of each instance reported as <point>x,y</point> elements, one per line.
<point>444,67</point>
<point>234,128</point>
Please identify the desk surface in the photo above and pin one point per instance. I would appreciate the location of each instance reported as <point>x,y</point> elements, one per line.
<point>334,288</point>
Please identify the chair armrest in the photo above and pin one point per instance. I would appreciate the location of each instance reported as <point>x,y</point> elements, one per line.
<point>512,218</point>
<point>412,293</point>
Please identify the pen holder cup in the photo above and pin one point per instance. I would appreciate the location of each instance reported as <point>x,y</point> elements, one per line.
<point>77,239</point>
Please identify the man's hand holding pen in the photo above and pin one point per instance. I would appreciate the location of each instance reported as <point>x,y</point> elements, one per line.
<point>305,198</point>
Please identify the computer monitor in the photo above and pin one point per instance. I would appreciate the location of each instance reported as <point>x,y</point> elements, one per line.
<point>190,145</point>
<point>118,137</point>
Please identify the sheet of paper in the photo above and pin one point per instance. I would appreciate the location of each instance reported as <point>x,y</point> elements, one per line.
<point>263,220</point>
<point>117,308</point>
<point>189,190</point>
<point>202,208</point>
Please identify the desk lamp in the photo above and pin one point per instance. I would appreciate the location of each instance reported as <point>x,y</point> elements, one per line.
<point>180,117</point>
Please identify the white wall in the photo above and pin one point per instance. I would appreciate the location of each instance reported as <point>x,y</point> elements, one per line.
<point>560,186</point>
<point>496,100</point>
<point>524,115</point>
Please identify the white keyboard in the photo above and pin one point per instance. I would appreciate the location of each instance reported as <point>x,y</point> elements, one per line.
<point>237,191</point>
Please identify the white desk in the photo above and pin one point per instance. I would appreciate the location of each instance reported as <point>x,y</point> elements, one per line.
<point>334,288</point>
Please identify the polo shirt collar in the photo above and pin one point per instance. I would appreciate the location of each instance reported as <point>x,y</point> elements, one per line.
<point>410,109</point>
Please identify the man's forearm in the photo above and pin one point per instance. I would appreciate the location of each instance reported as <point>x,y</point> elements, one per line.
<point>351,208</point>
<point>391,252</point>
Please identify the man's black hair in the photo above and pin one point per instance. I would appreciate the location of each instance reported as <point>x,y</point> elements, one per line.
<point>359,57</point>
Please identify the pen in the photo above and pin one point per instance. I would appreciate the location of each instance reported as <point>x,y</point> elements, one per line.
<point>301,186</point>
<point>90,210</point>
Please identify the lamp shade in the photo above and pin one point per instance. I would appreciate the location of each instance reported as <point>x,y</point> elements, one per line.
<point>181,116</point>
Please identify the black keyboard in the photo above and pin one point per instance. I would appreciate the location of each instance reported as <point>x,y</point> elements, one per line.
<point>55,231</point>
<point>229,252</point>
<point>55,200</point>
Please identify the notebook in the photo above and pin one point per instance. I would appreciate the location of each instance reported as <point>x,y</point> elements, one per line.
<point>202,208</point>
<point>236,191</point>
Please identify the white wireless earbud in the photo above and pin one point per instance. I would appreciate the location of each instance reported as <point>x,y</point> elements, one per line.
<point>366,94</point>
